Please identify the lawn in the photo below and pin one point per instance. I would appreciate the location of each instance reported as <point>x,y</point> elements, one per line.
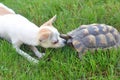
<point>63,63</point>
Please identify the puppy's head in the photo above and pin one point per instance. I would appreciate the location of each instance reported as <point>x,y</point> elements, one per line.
<point>49,37</point>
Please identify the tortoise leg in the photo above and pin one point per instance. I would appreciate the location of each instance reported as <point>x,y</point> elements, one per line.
<point>80,48</point>
<point>82,53</point>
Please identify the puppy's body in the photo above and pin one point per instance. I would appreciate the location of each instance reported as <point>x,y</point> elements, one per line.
<point>18,30</point>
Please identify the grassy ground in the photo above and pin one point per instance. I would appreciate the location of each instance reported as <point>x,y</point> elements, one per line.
<point>63,64</point>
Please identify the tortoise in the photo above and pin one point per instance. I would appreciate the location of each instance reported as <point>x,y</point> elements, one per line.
<point>91,37</point>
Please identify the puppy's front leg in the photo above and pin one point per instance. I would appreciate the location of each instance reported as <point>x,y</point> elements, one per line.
<point>22,53</point>
<point>37,53</point>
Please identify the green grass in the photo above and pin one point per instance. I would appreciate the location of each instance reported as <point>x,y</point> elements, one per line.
<point>62,63</point>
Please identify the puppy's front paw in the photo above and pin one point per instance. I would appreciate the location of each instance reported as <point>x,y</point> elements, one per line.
<point>43,54</point>
<point>40,55</point>
<point>35,61</point>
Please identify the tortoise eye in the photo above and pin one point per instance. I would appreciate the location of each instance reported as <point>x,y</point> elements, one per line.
<point>55,42</point>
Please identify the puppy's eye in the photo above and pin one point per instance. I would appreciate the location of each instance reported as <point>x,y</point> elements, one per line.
<point>55,42</point>
<point>40,40</point>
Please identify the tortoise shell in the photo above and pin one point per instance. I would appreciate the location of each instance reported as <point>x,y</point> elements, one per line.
<point>93,36</point>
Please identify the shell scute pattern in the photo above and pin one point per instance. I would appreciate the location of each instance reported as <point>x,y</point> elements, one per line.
<point>102,29</point>
<point>115,34</point>
<point>101,41</point>
<point>94,36</point>
<point>89,41</point>
<point>110,39</point>
<point>78,46</point>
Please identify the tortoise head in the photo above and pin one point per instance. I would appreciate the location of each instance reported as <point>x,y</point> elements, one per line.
<point>67,37</point>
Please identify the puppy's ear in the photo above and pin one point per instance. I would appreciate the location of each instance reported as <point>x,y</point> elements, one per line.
<point>44,34</point>
<point>50,21</point>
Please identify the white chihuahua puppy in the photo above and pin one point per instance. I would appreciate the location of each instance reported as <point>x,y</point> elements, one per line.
<point>18,30</point>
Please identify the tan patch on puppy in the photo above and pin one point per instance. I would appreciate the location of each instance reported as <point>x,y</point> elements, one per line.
<point>4,11</point>
<point>44,34</point>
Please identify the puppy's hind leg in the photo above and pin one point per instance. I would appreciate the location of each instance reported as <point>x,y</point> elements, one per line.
<point>37,53</point>
<point>16,45</point>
